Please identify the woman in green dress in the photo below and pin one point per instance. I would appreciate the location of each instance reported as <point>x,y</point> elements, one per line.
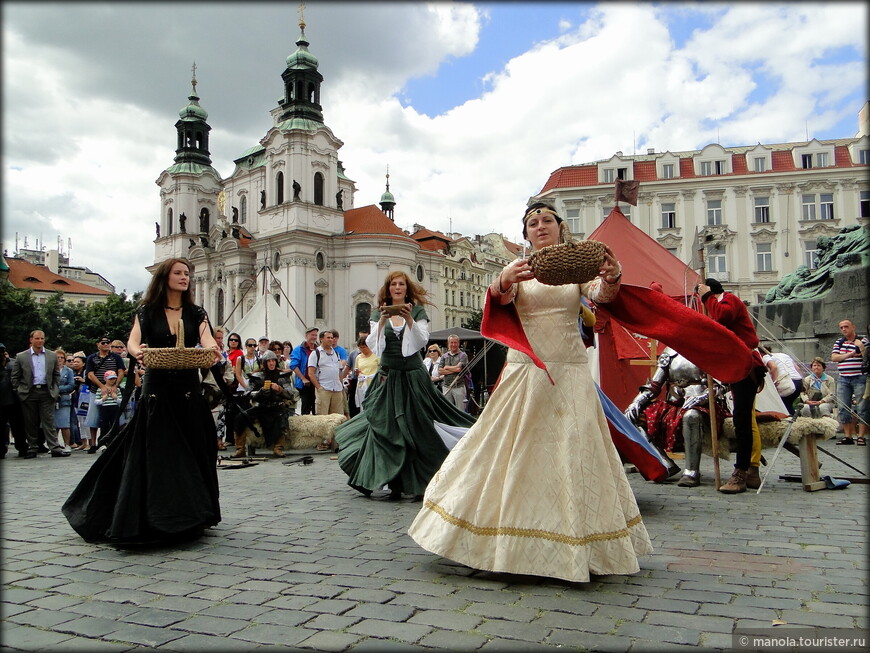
<point>393,441</point>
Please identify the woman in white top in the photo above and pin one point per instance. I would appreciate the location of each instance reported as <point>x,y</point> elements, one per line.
<point>785,375</point>
<point>247,364</point>
<point>433,355</point>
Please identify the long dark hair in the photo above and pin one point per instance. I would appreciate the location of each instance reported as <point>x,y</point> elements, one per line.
<point>414,292</point>
<point>155,296</point>
<point>238,341</point>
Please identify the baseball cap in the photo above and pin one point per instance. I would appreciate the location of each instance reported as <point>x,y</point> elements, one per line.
<point>262,338</point>
<point>109,375</point>
<point>309,330</point>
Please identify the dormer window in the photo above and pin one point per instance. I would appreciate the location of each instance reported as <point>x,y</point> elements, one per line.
<point>709,168</point>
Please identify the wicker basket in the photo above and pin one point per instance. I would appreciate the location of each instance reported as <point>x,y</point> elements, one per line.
<point>178,357</point>
<point>573,261</point>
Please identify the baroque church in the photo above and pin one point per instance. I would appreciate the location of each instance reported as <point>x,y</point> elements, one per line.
<point>281,234</point>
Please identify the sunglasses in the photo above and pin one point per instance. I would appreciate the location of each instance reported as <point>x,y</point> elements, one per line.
<point>250,344</point>
<point>105,342</point>
<point>433,351</point>
<point>70,360</point>
<point>234,340</point>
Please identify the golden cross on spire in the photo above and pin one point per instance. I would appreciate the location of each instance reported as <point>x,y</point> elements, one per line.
<point>302,16</point>
<point>193,80</point>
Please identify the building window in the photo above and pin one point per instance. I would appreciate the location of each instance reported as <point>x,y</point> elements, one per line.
<point>609,176</point>
<point>243,209</point>
<point>806,161</point>
<point>573,218</point>
<point>811,254</point>
<point>808,207</point>
<point>279,188</point>
<point>759,162</point>
<point>419,273</point>
<point>452,273</point>
<point>446,297</point>
<point>363,316</point>
<point>864,157</point>
<point>865,203</point>
<point>716,259</point>
<point>318,189</point>
<point>714,212</point>
<point>669,216</point>
<point>318,306</point>
<point>219,305</point>
<point>320,262</point>
<point>461,298</point>
<point>277,263</point>
<point>277,297</point>
<point>674,251</point>
<point>762,209</point>
<point>169,222</point>
<point>605,211</point>
<point>822,160</point>
<point>713,168</point>
<point>763,258</point>
<point>826,206</point>
<point>667,171</point>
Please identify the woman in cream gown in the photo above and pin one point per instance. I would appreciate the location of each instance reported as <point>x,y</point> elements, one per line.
<point>536,486</point>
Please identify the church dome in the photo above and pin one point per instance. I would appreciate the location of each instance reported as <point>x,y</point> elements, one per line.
<point>302,58</point>
<point>193,111</point>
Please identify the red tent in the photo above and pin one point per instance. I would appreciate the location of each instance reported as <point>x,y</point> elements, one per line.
<point>644,261</point>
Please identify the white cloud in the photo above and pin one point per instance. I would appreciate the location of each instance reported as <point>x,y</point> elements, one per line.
<point>91,94</point>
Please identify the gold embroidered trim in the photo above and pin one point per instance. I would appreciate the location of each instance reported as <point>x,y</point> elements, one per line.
<point>491,531</point>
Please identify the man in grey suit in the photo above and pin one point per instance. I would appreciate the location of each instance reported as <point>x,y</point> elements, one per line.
<point>35,378</point>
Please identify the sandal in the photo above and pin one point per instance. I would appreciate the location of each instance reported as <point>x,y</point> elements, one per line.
<point>324,446</point>
<point>861,442</point>
<point>846,440</point>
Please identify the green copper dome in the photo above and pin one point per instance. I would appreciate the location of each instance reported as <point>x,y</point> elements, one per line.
<point>302,58</point>
<point>193,111</point>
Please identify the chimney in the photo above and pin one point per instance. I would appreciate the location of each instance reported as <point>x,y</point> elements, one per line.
<point>618,152</point>
<point>650,150</point>
<point>51,260</point>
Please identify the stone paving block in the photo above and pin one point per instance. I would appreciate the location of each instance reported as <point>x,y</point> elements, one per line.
<point>706,624</point>
<point>142,635</point>
<point>254,597</point>
<point>22,595</point>
<point>419,587</point>
<point>806,618</point>
<point>330,622</point>
<point>445,620</point>
<point>88,626</point>
<point>126,582</point>
<point>312,589</point>
<point>476,595</point>
<point>454,641</point>
<point>154,617</point>
<point>135,597</point>
<point>430,602</point>
<point>197,643</point>
<point>41,618</point>
<point>185,604</point>
<point>499,645</point>
<point>660,633</point>
<point>514,630</point>
<point>97,608</point>
<point>284,617</point>
<point>27,638</point>
<point>499,611</point>
<point>208,625</point>
<point>330,641</point>
<point>367,595</point>
<point>580,641</point>
<point>290,602</point>
<point>387,612</point>
<point>40,583</point>
<point>671,605</point>
<point>698,596</point>
<point>557,604</point>
<point>566,622</point>
<point>404,632</point>
<point>8,610</point>
<point>270,634</point>
<point>214,594</point>
<point>737,612</point>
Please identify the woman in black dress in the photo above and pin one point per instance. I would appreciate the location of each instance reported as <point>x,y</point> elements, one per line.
<point>157,479</point>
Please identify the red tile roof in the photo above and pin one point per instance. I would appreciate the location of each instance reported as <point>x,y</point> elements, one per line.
<point>841,157</point>
<point>645,170</point>
<point>586,175</point>
<point>687,168</point>
<point>782,160</point>
<point>738,164</point>
<point>513,247</point>
<point>370,220</point>
<point>38,277</point>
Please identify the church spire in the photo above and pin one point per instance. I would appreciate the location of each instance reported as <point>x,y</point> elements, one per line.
<point>192,129</point>
<point>301,81</point>
<point>387,199</point>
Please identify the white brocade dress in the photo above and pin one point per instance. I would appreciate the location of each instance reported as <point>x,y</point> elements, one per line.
<point>536,486</point>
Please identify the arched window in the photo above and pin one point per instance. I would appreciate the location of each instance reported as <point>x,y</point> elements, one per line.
<point>277,263</point>
<point>204,220</point>
<point>279,188</point>
<point>320,262</point>
<point>318,306</point>
<point>277,297</point>
<point>169,227</point>
<point>243,209</point>
<point>318,189</point>
<point>363,316</point>
<point>219,305</point>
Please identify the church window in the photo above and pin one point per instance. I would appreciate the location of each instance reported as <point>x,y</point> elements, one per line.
<point>320,262</point>
<point>243,209</point>
<point>219,305</point>
<point>363,314</point>
<point>169,222</point>
<point>419,273</point>
<point>318,307</point>
<point>318,189</point>
<point>277,264</point>
<point>279,188</point>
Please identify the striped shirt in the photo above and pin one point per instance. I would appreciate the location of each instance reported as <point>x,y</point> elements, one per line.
<point>849,366</point>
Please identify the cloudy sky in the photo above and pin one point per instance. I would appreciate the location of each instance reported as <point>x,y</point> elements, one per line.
<point>471,105</point>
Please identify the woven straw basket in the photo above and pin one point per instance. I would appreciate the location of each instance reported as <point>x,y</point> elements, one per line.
<point>178,357</point>
<point>573,261</point>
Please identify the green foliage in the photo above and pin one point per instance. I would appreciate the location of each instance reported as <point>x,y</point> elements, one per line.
<point>474,321</point>
<point>71,326</point>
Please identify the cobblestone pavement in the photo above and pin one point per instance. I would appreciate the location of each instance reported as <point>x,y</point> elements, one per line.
<point>301,561</point>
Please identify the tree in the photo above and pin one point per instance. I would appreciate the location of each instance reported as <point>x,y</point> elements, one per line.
<point>20,315</point>
<point>473,322</point>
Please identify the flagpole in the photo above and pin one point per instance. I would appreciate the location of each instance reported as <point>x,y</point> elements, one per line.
<point>711,401</point>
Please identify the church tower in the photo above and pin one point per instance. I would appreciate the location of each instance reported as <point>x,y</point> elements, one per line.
<point>189,189</point>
